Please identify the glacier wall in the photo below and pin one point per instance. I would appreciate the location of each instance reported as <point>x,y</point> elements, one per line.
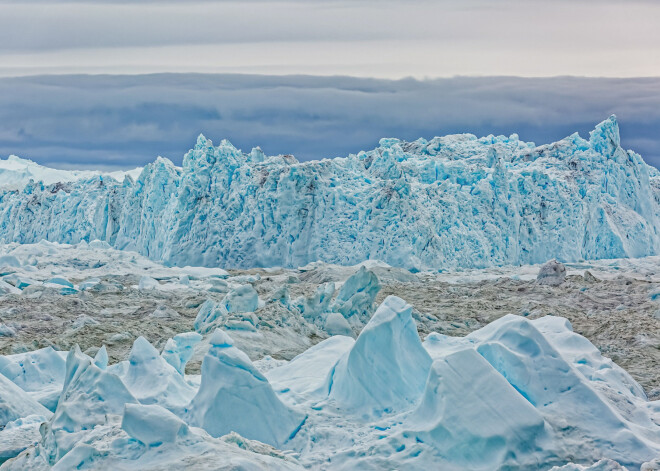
<point>453,201</point>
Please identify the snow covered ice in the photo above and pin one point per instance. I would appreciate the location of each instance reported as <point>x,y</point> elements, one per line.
<point>402,308</point>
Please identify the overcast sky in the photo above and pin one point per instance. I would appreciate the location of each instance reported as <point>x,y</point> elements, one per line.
<point>379,38</point>
<point>125,120</point>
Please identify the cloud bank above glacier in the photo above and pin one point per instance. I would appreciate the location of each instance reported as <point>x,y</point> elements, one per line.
<point>391,39</point>
<point>124,121</point>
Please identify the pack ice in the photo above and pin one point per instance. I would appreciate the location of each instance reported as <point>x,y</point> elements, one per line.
<point>517,394</point>
<point>453,201</point>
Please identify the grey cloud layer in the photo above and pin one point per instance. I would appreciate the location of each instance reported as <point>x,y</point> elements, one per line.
<point>124,121</point>
<point>430,39</point>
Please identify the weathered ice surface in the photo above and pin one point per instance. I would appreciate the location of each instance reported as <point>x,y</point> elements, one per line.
<point>466,369</point>
<point>552,273</point>
<point>454,201</point>
<point>614,303</point>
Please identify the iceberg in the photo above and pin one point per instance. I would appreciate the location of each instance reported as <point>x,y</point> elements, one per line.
<point>356,297</point>
<point>306,373</point>
<point>152,380</point>
<point>90,397</point>
<point>494,424</point>
<point>235,397</point>
<point>211,314</point>
<point>241,299</point>
<point>40,373</point>
<point>152,424</point>
<point>179,349</point>
<point>569,400</point>
<point>16,403</point>
<point>551,273</point>
<point>313,308</point>
<point>387,367</point>
<point>448,202</point>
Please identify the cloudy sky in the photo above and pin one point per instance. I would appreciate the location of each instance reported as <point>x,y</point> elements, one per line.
<point>418,68</point>
<point>368,38</point>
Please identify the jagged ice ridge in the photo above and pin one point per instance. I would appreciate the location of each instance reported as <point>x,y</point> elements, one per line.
<point>453,201</point>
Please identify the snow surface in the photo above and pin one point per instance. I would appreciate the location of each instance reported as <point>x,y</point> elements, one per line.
<point>453,201</point>
<point>15,173</point>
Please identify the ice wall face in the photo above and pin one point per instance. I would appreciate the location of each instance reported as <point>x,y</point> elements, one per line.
<point>454,201</point>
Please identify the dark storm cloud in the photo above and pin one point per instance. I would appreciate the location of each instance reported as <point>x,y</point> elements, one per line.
<point>124,121</point>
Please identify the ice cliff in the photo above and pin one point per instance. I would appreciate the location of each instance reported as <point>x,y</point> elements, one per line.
<point>453,201</point>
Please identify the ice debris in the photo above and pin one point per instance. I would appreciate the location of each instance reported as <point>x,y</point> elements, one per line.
<point>241,299</point>
<point>152,424</point>
<point>551,273</point>
<point>7,331</point>
<point>336,324</point>
<point>9,261</point>
<point>602,465</point>
<point>19,434</point>
<point>164,312</point>
<point>147,282</point>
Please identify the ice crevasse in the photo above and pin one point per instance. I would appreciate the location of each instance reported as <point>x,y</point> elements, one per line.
<point>453,201</point>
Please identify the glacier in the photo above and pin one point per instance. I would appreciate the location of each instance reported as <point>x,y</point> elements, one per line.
<point>356,359</point>
<point>449,202</point>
